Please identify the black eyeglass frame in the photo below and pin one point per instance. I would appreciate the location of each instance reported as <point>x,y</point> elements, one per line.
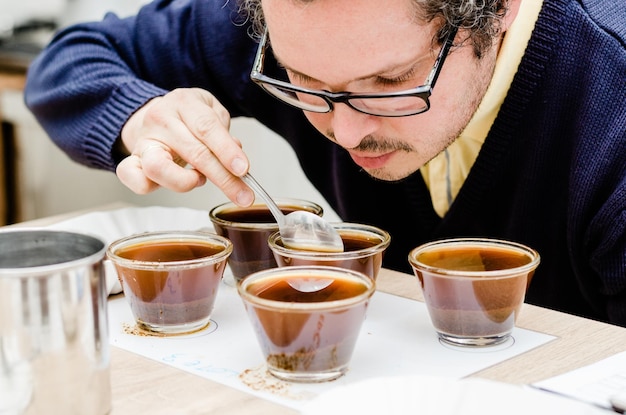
<point>423,91</point>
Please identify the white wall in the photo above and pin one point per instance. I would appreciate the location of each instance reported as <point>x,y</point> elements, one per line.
<point>51,183</point>
<point>83,10</point>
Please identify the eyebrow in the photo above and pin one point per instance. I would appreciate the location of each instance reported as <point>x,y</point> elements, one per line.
<point>361,78</point>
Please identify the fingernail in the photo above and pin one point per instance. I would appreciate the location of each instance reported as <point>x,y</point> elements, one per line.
<point>245,197</point>
<point>238,166</point>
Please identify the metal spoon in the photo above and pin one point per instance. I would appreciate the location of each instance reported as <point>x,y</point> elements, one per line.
<point>299,229</point>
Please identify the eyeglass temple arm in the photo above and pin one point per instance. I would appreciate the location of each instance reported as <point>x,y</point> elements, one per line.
<point>443,53</point>
<point>258,67</point>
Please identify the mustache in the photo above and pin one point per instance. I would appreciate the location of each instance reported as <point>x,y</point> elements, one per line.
<point>378,144</point>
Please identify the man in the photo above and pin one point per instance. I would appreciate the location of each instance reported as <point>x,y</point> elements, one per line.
<point>429,119</point>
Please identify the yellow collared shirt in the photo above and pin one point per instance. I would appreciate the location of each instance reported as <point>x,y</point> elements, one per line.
<point>444,175</point>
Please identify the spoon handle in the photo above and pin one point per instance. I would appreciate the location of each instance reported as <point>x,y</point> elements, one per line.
<point>254,185</point>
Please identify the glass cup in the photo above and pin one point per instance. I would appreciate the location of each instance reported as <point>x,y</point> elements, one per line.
<point>364,247</point>
<point>248,228</point>
<point>171,278</point>
<point>306,334</point>
<point>474,288</point>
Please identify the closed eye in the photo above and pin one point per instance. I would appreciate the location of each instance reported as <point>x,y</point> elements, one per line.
<point>396,80</point>
<point>302,80</point>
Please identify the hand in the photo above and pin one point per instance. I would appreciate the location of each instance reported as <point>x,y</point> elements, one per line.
<point>180,140</point>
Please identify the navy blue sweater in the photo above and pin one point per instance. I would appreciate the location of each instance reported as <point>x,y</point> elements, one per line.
<point>551,173</point>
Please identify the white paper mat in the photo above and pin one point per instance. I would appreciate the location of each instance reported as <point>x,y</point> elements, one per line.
<point>397,338</point>
<point>432,395</point>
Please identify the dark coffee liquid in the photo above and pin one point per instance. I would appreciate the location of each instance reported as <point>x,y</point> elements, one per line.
<point>254,214</point>
<point>463,307</point>
<point>250,253</point>
<point>356,242</point>
<point>179,296</point>
<point>368,265</point>
<point>307,340</point>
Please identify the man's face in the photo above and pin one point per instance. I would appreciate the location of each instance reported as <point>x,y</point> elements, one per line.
<point>377,46</point>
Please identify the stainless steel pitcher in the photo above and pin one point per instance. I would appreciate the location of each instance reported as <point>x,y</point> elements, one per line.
<point>54,346</point>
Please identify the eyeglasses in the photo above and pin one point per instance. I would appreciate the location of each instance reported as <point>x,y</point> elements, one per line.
<point>394,104</point>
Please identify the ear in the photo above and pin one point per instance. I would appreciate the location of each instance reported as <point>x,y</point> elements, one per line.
<point>511,14</point>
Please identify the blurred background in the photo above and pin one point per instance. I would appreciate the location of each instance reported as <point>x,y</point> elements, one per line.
<point>38,180</point>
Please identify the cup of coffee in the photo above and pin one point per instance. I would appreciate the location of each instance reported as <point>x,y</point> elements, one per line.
<point>248,228</point>
<point>364,247</point>
<point>474,288</point>
<point>171,278</point>
<point>307,319</point>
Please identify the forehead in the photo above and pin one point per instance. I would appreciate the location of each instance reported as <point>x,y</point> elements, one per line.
<point>339,40</point>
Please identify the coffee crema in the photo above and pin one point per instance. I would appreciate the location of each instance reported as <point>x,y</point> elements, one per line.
<point>168,251</point>
<point>279,289</point>
<point>474,258</point>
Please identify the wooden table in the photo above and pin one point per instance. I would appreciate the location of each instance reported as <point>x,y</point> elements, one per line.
<point>144,386</point>
<point>12,80</point>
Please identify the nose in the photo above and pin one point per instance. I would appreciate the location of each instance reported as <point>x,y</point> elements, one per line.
<point>350,126</point>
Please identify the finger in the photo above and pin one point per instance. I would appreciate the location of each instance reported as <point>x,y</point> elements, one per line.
<point>212,129</point>
<point>208,166</point>
<point>232,186</point>
<point>130,173</point>
<point>161,166</point>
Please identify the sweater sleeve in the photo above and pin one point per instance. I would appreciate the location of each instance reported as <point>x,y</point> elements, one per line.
<point>93,76</point>
<point>82,90</point>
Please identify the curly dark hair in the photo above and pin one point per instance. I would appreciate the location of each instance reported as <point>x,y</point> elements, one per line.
<point>478,19</point>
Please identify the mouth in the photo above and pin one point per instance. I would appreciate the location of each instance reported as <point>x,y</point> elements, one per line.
<point>371,161</point>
